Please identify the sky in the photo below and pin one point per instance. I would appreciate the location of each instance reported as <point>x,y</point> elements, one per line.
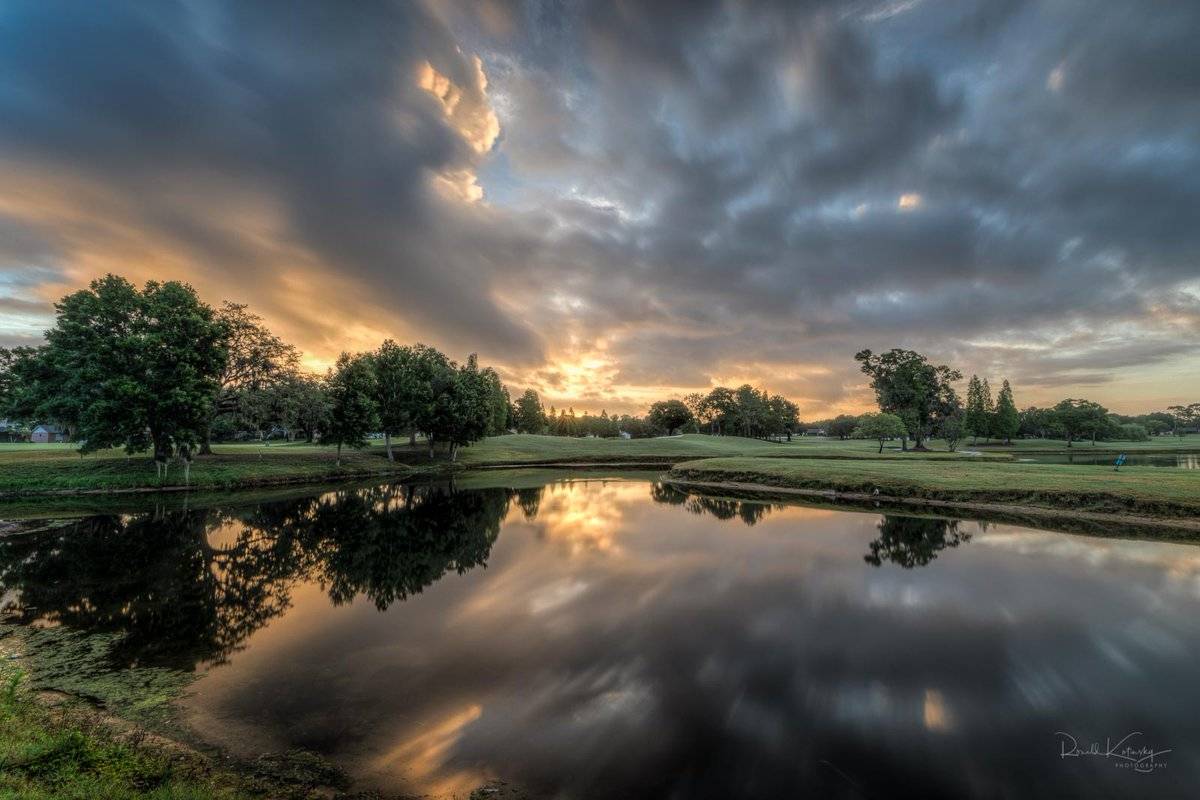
<point>617,202</point>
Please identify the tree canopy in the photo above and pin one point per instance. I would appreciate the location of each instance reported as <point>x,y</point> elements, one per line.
<point>907,385</point>
<point>129,368</point>
<point>353,412</point>
<point>882,427</point>
<point>530,417</point>
<point>670,415</point>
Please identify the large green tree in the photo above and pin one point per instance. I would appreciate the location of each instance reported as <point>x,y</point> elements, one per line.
<point>257,360</point>
<point>669,415</point>
<point>530,416</point>
<point>882,427</point>
<point>784,416</point>
<point>396,374</point>
<point>1007,420</point>
<point>1184,417</point>
<point>1079,418</point>
<point>353,413</point>
<point>907,385</point>
<point>462,407</point>
<point>138,369</point>
<point>721,409</point>
<point>975,417</point>
<point>842,426</point>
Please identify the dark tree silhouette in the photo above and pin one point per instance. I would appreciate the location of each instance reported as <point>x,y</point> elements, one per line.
<point>913,541</point>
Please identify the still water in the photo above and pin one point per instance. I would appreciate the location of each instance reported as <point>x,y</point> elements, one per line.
<point>1133,459</point>
<point>618,638</point>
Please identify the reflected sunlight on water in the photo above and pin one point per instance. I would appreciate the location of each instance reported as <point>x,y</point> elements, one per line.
<point>616,637</point>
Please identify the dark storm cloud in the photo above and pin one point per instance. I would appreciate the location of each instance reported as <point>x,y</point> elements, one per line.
<point>760,156</point>
<point>708,188</point>
<point>173,107</point>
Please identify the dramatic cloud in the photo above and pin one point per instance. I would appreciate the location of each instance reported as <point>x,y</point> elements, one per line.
<point>613,201</point>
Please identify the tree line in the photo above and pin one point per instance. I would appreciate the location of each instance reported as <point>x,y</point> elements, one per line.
<point>745,411</point>
<point>917,400</point>
<point>158,369</point>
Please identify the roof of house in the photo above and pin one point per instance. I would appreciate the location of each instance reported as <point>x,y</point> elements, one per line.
<point>49,429</point>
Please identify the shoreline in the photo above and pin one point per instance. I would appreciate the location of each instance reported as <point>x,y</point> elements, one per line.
<point>768,491</point>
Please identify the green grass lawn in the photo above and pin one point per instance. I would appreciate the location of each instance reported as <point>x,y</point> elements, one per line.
<point>40,468</point>
<point>1164,444</point>
<point>530,449</point>
<point>33,468</point>
<point>1146,490</point>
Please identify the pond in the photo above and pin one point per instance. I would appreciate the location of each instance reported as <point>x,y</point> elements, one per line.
<point>605,637</point>
<point>1132,459</point>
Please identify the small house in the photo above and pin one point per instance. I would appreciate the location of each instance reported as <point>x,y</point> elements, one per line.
<point>45,434</point>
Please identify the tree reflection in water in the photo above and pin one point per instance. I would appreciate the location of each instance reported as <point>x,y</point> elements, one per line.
<point>907,541</point>
<point>723,508</point>
<point>179,599</point>
<point>913,541</point>
<point>184,587</point>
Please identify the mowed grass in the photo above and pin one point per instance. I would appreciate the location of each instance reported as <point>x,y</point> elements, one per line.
<point>1147,490</point>
<point>29,468</point>
<point>39,468</point>
<point>531,449</point>
<point>1155,444</point>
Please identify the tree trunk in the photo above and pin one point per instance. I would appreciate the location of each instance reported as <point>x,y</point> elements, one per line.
<point>453,452</point>
<point>339,454</point>
<point>881,445</point>
<point>206,445</point>
<point>431,447</point>
<point>412,437</point>
<point>387,442</point>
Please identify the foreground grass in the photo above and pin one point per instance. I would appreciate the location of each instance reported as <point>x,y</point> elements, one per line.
<point>73,725</point>
<point>66,753</point>
<point>1149,491</point>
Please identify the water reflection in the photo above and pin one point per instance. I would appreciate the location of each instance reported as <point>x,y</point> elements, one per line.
<point>628,640</point>
<point>1132,459</point>
<point>913,541</point>
<point>190,586</point>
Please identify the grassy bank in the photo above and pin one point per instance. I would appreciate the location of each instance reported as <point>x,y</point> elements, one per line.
<point>1150,492</point>
<point>67,751</point>
<point>72,726</point>
<point>28,469</point>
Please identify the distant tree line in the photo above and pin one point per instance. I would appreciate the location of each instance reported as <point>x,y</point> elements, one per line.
<point>745,411</point>
<point>921,396</point>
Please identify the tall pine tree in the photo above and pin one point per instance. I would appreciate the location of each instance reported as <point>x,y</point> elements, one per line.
<point>1007,419</point>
